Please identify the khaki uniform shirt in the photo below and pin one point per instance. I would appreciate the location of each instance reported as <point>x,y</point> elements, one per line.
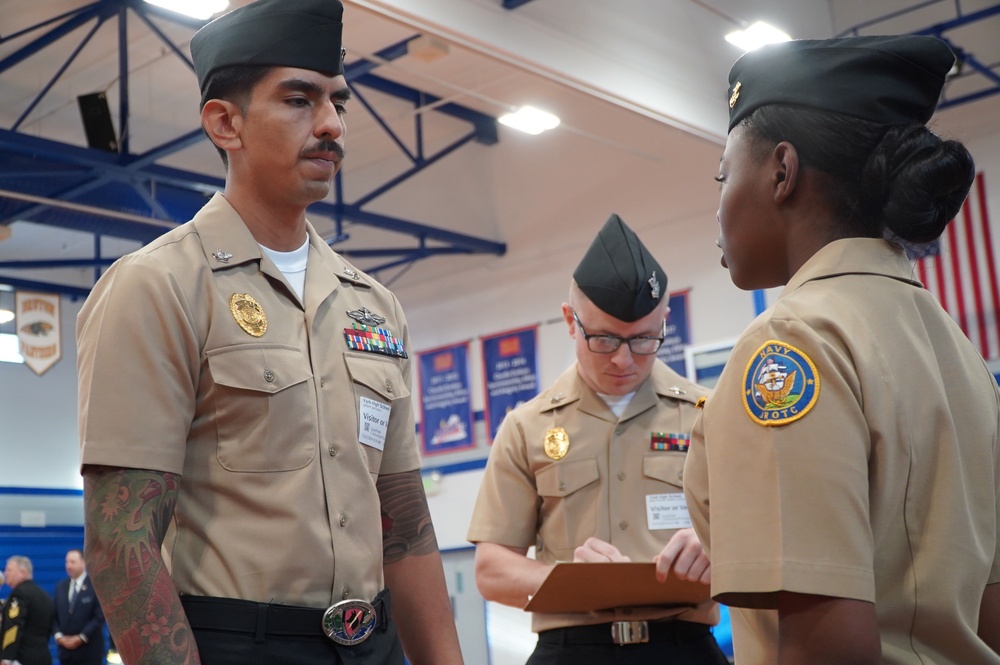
<point>876,482</point>
<point>598,489</point>
<point>277,497</point>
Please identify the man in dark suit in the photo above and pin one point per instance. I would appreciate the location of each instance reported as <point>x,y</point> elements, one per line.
<point>27,617</point>
<point>79,621</point>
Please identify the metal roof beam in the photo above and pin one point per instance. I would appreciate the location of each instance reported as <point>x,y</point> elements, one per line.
<point>90,12</point>
<point>73,292</point>
<point>486,125</point>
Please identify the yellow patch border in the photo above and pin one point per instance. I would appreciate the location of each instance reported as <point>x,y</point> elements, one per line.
<point>755,359</point>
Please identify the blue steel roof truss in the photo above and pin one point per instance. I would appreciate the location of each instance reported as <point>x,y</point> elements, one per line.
<point>132,197</point>
<point>967,60</point>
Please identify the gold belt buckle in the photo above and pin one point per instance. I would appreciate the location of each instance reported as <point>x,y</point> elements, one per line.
<point>629,632</point>
<point>349,622</point>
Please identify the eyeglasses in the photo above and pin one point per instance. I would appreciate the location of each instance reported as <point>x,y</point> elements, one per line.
<point>640,345</point>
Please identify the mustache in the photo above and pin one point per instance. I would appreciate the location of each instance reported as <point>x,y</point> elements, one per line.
<point>325,146</point>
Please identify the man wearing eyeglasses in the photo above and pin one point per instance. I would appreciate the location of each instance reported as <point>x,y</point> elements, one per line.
<point>585,472</point>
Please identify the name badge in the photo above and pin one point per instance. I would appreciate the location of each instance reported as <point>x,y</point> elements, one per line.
<point>373,421</point>
<point>667,511</point>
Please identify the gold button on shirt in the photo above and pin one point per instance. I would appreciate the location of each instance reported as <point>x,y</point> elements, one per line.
<point>171,380</point>
<point>885,490</point>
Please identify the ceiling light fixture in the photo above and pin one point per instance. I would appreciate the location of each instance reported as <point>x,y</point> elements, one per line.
<point>200,9</point>
<point>10,349</point>
<point>530,120</point>
<point>757,35</point>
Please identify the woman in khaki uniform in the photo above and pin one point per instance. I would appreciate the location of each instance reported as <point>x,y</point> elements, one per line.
<point>844,475</point>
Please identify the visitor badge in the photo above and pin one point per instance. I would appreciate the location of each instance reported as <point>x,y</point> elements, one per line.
<point>373,421</point>
<point>667,511</point>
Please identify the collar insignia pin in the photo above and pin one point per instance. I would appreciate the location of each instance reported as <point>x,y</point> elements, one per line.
<point>366,317</point>
<point>654,285</point>
<point>222,256</point>
<point>558,397</point>
<point>677,391</point>
<point>351,273</point>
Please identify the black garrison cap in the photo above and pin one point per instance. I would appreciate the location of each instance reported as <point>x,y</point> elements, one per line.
<point>890,80</point>
<point>619,275</point>
<point>276,33</point>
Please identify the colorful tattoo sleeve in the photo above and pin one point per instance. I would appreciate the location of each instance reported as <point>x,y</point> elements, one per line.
<point>126,516</point>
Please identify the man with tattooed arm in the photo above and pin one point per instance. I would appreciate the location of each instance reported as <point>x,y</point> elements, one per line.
<point>251,476</point>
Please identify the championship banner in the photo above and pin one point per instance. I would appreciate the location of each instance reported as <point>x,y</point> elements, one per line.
<point>445,408</point>
<point>678,333</point>
<point>510,372</point>
<point>38,331</point>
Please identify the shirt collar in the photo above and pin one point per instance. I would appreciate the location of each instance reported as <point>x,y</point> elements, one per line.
<point>855,256</point>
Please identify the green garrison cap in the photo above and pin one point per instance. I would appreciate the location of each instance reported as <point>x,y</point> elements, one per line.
<point>272,33</point>
<point>619,275</point>
<point>890,80</point>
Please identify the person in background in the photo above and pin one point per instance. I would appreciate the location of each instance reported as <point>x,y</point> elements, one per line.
<point>79,622</point>
<point>844,475</point>
<point>588,469</point>
<point>27,617</point>
<point>251,474</point>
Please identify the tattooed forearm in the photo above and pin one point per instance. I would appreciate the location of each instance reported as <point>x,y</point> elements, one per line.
<point>126,514</point>
<point>406,520</point>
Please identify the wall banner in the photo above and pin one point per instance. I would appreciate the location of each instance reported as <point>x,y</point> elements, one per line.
<point>445,407</point>
<point>678,333</point>
<point>510,372</point>
<point>38,330</point>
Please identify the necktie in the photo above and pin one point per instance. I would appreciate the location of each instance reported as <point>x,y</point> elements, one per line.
<point>72,594</point>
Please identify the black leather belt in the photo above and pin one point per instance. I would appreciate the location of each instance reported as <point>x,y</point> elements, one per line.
<point>627,632</point>
<point>346,623</point>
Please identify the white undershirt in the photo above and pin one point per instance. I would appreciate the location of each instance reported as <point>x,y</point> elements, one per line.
<point>292,265</point>
<point>617,403</point>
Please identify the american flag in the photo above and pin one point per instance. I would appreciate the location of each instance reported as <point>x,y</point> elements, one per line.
<point>960,269</point>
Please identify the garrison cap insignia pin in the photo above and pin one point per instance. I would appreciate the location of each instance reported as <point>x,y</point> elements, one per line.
<point>556,443</point>
<point>248,313</point>
<point>735,95</point>
<point>780,384</point>
<point>654,286</point>
<point>365,317</point>
<point>221,256</point>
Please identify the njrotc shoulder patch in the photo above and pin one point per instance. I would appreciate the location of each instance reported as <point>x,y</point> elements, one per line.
<point>780,385</point>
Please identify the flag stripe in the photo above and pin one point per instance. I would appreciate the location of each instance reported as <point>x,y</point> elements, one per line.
<point>960,269</point>
<point>991,262</point>
<point>977,292</point>
<point>956,275</point>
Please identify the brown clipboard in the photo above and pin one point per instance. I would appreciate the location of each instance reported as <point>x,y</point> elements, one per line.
<point>585,587</point>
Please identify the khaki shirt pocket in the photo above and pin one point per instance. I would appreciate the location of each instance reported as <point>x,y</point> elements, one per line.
<point>663,472</point>
<point>265,407</point>
<point>569,492</point>
<point>379,380</point>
